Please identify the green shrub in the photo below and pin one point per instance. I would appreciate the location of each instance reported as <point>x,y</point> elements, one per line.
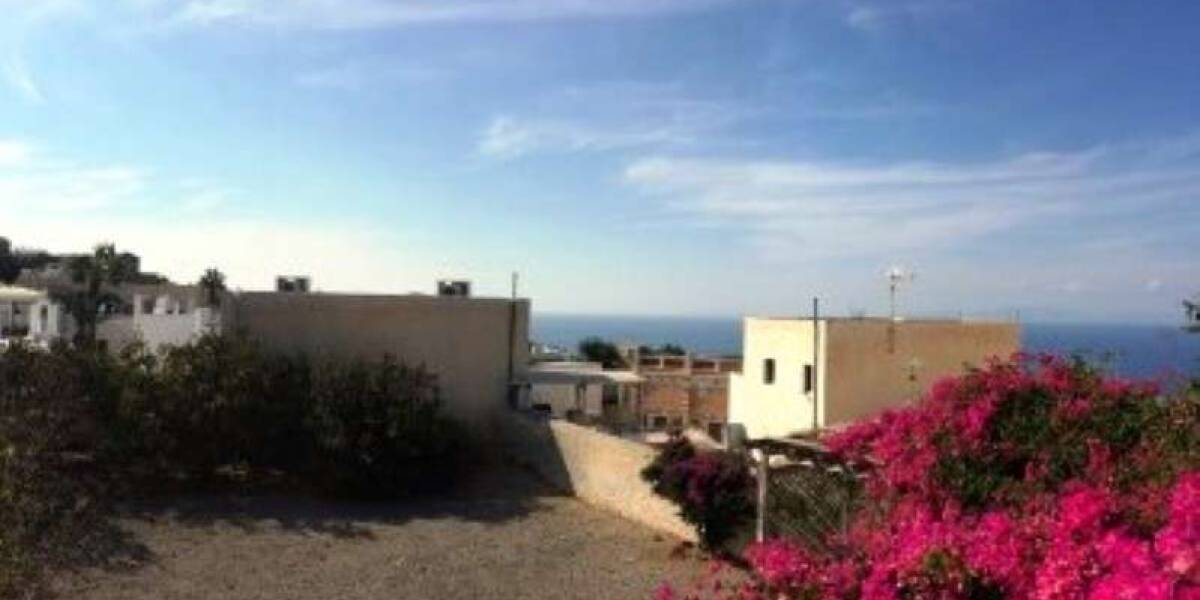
<point>79,426</point>
<point>50,496</point>
<point>378,429</point>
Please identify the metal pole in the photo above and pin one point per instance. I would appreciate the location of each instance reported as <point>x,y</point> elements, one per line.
<point>762,465</point>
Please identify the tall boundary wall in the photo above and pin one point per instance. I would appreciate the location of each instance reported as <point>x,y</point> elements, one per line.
<point>600,469</point>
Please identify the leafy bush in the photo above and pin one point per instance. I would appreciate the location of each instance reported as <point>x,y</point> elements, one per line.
<point>713,489</point>
<point>1032,478</point>
<point>377,428</point>
<point>49,494</point>
<point>78,426</point>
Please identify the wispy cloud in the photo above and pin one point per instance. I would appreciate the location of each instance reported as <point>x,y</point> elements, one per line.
<point>359,75</point>
<point>374,14</point>
<point>17,75</point>
<point>33,180</point>
<point>875,15</point>
<point>508,137</point>
<point>14,153</point>
<point>609,116</point>
<point>827,210</point>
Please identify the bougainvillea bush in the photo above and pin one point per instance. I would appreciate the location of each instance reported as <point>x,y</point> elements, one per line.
<point>712,489</point>
<point>1035,477</point>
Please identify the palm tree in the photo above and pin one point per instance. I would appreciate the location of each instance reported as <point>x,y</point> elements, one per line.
<point>1192,310</point>
<point>213,284</point>
<point>91,301</point>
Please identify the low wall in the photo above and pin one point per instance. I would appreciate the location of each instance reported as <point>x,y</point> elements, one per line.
<point>600,469</point>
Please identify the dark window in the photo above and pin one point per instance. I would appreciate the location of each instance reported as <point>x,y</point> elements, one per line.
<point>769,371</point>
<point>610,395</point>
<point>658,423</point>
<point>808,379</point>
<point>716,431</point>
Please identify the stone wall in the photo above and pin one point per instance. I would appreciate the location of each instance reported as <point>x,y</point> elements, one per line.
<point>600,469</point>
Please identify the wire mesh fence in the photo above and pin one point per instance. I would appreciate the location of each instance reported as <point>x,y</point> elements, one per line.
<point>809,502</point>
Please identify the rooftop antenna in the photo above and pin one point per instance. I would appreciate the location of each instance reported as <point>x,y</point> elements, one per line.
<point>896,276</point>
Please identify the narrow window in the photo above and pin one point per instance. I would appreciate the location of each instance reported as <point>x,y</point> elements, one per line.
<point>808,379</point>
<point>769,371</point>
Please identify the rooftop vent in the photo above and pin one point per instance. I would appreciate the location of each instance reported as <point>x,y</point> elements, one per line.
<point>293,285</point>
<point>454,288</point>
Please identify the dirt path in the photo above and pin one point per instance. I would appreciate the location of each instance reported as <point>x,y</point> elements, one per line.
<point>505,537</point>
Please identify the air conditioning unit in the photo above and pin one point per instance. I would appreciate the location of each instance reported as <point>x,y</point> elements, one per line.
<point>454,288</point>
<point>293,285</point>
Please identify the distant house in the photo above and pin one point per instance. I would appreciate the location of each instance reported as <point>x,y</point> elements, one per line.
<point>800,376</point>
<point>1192,314</point>
<point>685,391</point>
<point>582,392</point>
<point>32,316</point>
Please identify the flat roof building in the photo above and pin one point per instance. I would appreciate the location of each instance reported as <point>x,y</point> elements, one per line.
<point>801,375</point>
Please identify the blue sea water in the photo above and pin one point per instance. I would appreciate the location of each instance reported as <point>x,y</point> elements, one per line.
<point>1126,349</point>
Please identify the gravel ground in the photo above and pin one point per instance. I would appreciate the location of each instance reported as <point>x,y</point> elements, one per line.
<point>502,537</point>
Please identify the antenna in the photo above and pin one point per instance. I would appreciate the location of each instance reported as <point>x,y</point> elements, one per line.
<point>895,276</point>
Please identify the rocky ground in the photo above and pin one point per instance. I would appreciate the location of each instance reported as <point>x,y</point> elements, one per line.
<point>503,536</point>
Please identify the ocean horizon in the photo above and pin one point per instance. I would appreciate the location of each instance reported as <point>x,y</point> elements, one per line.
<point>1129,349</point>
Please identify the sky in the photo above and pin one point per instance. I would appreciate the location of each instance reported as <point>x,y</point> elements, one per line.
<point>668,157</point>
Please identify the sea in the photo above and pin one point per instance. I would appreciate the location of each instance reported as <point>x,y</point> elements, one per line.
<point>1131,350</point>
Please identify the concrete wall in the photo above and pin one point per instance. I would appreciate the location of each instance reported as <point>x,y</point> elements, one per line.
<point>876,364</point>
<point>464,341</point>
<point>781,408</point>
<point>116,332</point>
<point>600,469</point>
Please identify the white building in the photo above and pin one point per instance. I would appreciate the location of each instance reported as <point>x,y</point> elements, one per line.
<point>800,375</point>
<point>29,315</point>
<point>581,390</point>
<point>158,319</point>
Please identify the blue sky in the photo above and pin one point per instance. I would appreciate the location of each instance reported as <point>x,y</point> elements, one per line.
<point>693,157</point>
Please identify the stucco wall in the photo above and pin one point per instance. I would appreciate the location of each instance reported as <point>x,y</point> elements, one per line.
<point>780,408</point>
<point>464,341</point>
<point>876,364</point>
<point>598,468</point>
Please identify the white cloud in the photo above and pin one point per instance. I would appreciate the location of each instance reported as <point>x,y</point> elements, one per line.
<point>62,187</point>
<point>372,14</point>
<point>510,137</point>
<point>13,153</point>
<point>181,227</point>
<point>608,116</point>
<point>358,75</point>
<point>17,75</point>
<point>875,15</point>
<point>811,210</point>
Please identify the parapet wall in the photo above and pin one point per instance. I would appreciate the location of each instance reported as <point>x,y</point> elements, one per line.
<point>600,469</point>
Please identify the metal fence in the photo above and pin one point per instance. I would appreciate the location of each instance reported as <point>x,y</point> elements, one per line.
<point>802,495</point>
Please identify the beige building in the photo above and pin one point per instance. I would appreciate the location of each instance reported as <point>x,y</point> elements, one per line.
<point>799,375</point>
<point>477,347</point>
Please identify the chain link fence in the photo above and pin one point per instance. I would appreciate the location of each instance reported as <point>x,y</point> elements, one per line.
<point>803,495</point>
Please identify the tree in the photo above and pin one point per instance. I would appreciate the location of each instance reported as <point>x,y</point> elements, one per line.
<point>10,267</point>
<point>664,350</point>
<point>594,349</point>
<point>213,284</point>
<point>91,300</point>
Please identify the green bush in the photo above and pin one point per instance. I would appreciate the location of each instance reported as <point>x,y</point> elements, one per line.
<point>50,494</point>
<point>78,427</point>
<point>378,430</point>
